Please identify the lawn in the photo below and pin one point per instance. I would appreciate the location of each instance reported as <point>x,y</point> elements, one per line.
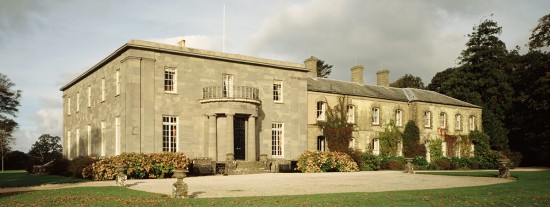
<point>18,178</point>
<point>531,189</point>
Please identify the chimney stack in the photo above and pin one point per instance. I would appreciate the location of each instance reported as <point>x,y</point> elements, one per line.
<point>383,78</point>
<point>357,74</point>
<point>181,43</point>
<point>311,64</point>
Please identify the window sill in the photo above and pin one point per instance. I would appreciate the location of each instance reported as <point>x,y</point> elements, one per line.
<point>278,102</point>
<point>171,92</point>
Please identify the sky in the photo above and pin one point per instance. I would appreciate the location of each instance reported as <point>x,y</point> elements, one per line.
<point>46,44</point>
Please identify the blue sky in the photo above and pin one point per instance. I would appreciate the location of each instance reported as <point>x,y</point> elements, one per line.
<point>45,44</point>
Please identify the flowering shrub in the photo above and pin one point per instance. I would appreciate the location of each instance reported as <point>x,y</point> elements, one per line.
<point>392,163</point>
<point>139,166</point>
<point>316,161</point>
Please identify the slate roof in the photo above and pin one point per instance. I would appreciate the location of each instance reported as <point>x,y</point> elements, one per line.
<point>382,92</point>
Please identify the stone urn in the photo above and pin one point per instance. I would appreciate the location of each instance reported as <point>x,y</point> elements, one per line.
<point>409,167</point>
<point>121,176</point>
<point>180,189</point>
<point>504,170</point>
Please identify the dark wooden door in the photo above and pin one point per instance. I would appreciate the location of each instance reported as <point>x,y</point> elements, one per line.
<point>239,130</point>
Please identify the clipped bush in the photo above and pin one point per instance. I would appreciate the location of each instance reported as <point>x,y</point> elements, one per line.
<point>515,158</point>
<point>461,163</point>
<point>140,166</point>
<point>370,162</point>
<point>317,161</point>
<point>78,164</point>
<point>441,164</point>
<point>392,163</point>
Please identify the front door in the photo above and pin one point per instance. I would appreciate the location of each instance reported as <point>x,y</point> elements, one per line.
<point>239,124</point>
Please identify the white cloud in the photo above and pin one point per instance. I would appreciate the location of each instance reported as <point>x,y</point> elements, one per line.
<point>47,120</point>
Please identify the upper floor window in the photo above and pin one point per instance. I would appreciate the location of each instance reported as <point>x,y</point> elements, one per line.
<point>170,80</point>
<point>427,119</point>
<point>227,85</point>
<point>398,117</point>
<point>117,82</point>
<point>278,91</point>
<point>443,120</point>
<point>458,122</point>
<point>89,96</point>
<point>69,106</point>
<point>351,114</point>
<point>472,123</point>
<point>103,89</point>
<point>169,133</point>
<point>375,116</point>
<point>77,101</point>
<point>321,108</point>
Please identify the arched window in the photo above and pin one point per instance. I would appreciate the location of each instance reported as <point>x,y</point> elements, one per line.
<point>443,120</point>
<point>458,122</point>
<point>321,108</point>
<point>427,119</point>
<point>351,114</point>
<point>375,116</point>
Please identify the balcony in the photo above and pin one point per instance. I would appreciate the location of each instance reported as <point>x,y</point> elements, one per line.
<point>233,94</point>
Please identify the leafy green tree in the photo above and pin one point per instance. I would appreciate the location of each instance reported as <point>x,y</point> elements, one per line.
<point>323,70</point>
<point>336,128</point>
<point>46,148</point>
<point>540,37</point>
<point>408,81</point>
<point>482,79</point>
<point>9,102</point>
<point>411,141</point>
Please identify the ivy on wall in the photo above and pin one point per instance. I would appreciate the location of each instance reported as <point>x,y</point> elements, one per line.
<point>436,150</point>
<point>389,140</point>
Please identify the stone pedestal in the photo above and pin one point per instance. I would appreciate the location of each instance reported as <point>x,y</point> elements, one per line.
<point>180,189</point>
<point>121,175</point>
<point>409,167</point>
<point>230,165</point>
<point>504,170</point>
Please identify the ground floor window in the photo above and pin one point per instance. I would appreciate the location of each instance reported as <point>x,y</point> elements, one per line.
<point>169,133</point>
<point>321,143</point>
<point>277,139</point>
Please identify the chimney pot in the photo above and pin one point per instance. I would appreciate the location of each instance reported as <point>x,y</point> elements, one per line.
<point>383,78</point>
<point>357,74</point>
<point>311,64</point>
<point>181,43</point>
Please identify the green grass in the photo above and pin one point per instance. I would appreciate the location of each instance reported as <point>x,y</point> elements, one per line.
<point>464,173</point>
<point>19,178</point>
<point>531,189</point>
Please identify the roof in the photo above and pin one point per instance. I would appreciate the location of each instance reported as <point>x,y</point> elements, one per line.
<point>381,92</point>
<point>174,49</point>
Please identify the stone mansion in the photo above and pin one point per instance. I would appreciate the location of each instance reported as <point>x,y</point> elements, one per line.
<point>148,97</point>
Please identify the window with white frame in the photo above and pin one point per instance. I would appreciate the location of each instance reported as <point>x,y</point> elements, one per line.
<point>89,140</point>
<point>103,89</point>
<point>69,144</point>
<point>277,132</point>
<point>321,143</point>
<point>278,91</point>
<point>351,114</point>
<point>117,135</point>
<point>443,120</point>
<point>398,117</point>
<point>89,96</point>
<point>427,119</point>
<point>458,122</point>
<point>69,105</point>
<point>169,133</point>
<point>375,116</point>
<point>472,123</point>
<point>321,108</point>
<point>77,137</point>
<point>103,138</point>
<point>227,90</point>
<point>170,80</point>
<point>77,101</point>
<point>117,82</point>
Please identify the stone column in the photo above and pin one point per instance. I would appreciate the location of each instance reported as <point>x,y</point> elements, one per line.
<point>230,140</point>
<point>212,144</point>
<point>251,137</point>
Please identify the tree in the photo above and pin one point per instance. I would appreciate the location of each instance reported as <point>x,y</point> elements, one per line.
<point>482,79</point>
<point>411,141</point>
<point>47,148</point>
<point>540,37</point>
<point>323,70</point>
<point>9,101</point>
<point>408,81</point>
<point>336,128</point>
